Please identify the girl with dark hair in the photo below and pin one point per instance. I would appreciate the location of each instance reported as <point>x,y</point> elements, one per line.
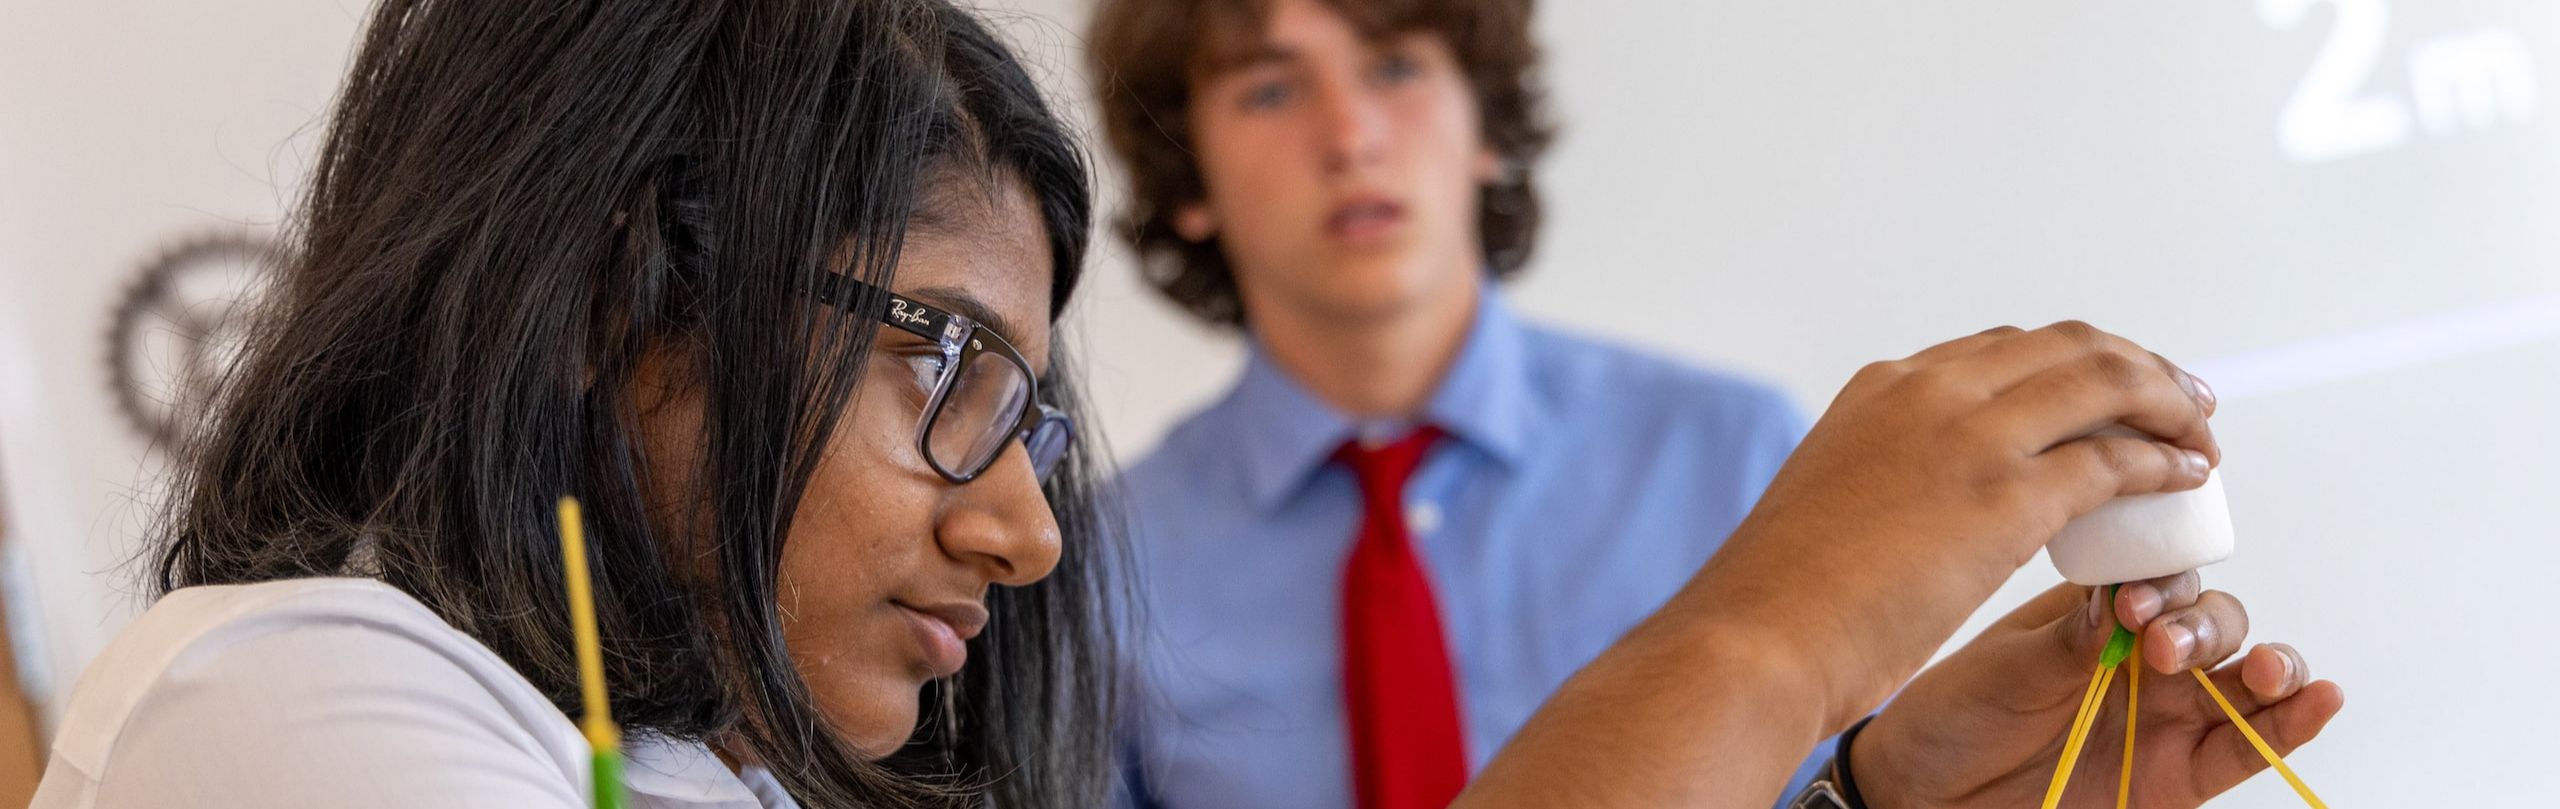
<point>643,252</point>
<point>771,287</point>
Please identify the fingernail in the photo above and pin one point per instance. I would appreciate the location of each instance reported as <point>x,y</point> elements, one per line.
<point>2196,463</point>
<point>2203,392</point>
<point>2145,600</point>
<point>2183,641</point>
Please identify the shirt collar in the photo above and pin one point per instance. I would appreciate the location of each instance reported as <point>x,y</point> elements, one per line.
<point>1486,398</point>
<point>687,773</point>
<point>1284,433</point>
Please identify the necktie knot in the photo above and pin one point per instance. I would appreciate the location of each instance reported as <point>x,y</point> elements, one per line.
<point>1383,469</point>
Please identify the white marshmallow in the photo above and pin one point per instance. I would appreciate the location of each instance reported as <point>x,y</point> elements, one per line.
<point>2146,536</point>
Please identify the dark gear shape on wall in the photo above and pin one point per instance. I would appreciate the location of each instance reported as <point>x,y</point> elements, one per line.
<point>177,328</point>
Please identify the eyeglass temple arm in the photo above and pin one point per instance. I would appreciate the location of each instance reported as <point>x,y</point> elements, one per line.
<point>837,289</point>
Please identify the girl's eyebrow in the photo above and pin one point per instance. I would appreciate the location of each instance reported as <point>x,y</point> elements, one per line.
<point>959,302</point>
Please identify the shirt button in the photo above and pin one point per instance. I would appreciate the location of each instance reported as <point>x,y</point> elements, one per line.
<point>1422,517</point>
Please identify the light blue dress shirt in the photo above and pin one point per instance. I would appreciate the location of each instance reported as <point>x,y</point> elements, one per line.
<point>1580,486</point>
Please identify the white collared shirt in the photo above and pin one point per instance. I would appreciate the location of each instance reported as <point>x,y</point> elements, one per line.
<point>339,692</point>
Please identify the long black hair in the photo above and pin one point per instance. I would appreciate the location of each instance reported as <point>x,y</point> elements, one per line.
<point>515,201</point>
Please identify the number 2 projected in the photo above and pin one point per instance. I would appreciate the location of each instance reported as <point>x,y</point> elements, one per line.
<point>2456,83</point>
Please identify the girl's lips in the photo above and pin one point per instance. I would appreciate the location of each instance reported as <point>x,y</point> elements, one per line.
<point>943,640</point>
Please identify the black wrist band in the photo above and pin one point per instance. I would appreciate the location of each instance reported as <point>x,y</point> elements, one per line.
<point>1846,780</point>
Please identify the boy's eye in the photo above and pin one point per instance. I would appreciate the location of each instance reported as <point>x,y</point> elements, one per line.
<point>1396,67</point>
<point>1268,93</point>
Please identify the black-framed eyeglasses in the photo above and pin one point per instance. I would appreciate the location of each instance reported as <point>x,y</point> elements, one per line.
<point>986,395</point>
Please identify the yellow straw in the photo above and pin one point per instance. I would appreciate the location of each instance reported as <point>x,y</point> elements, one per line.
<point>582,617</point>
<point>2260,743</point>
<point>2079,734</point>
<point>2132,712</point>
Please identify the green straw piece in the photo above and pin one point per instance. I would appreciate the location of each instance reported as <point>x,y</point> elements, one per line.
<point>2120,644</point>
<point>608,780</point>
<point>2119,647</point>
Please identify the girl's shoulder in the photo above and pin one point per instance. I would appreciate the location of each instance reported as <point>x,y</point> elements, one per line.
<point>318,689</point>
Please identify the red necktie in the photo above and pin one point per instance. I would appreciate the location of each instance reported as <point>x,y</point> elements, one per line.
<point>1406,751</point>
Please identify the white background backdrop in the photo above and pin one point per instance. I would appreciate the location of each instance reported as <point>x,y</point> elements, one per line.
<point>2344,213</point>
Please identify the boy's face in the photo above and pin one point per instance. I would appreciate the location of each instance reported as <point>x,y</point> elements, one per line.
<point>1341,173</point>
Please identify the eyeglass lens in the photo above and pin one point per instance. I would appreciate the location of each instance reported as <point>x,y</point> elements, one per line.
<point>978,414</point>
<point>1048,442</point>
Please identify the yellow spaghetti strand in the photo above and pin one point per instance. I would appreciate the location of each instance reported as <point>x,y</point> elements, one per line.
<point>2257,742</point>
<point>602,736</point>
<point>2079,734</point>
<point>582,620</point>
<point>2053,792</point>
<point>2132,712</point>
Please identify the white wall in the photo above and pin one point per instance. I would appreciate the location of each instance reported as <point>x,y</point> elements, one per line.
<point>1786,188</point>
<point>122,125</point>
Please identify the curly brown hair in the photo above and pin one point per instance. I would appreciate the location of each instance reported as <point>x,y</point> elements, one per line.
<point>1146,52</point>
